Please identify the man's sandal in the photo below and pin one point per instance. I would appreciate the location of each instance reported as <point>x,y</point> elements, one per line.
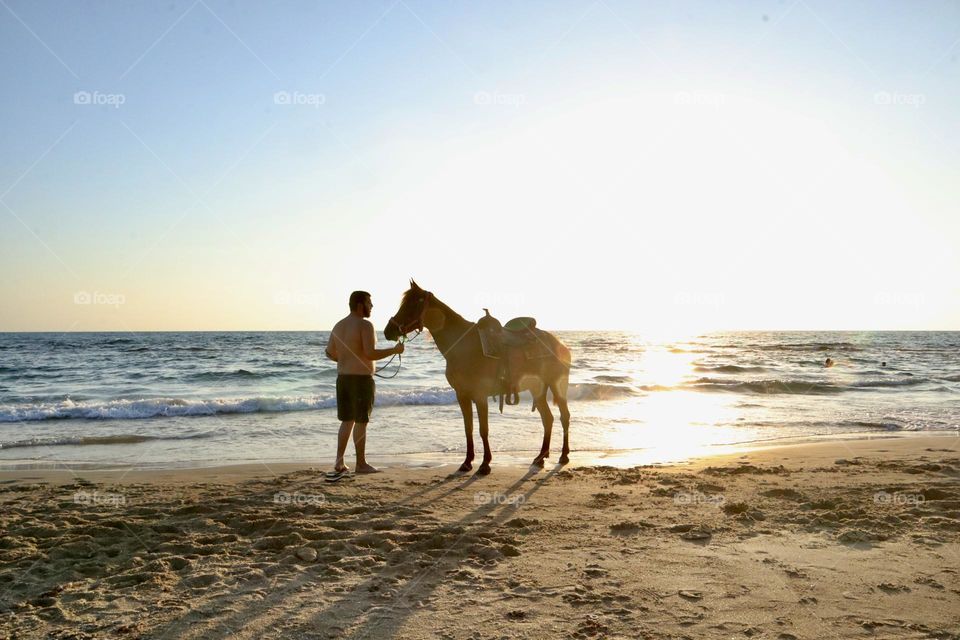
<point>334,476</point>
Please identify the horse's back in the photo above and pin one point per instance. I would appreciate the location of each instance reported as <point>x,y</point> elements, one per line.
<point>474,373</point>
<point>560,351</point>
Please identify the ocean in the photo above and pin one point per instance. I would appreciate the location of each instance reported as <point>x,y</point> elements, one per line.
<point>206,398</point>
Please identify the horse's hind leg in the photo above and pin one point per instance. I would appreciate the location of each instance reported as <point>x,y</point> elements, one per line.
<point>482,418</point>
<point>560,397</point>
<point>467,409</point>
<point>547,418</point>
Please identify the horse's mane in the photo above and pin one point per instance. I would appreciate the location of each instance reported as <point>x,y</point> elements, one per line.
<point>408,295</point>
<point>411,293</point>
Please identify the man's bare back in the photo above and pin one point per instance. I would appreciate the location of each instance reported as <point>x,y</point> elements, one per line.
<point>353,345</point>
<point>346,344</point>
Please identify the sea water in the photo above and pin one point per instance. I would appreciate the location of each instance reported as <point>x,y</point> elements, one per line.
<point>202,398</point>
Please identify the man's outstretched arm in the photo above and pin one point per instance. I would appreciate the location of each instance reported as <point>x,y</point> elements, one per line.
<point>370,350</point>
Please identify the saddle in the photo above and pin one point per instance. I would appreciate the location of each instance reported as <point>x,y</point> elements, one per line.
<point>511,344</point>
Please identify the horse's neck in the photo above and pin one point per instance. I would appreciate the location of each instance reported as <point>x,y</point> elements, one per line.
<point>448,329</point>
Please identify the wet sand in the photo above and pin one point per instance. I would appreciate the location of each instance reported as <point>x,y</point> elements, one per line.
<point>851,538</point>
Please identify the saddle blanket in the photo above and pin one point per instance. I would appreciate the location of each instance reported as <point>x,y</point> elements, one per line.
<point>493,348</point>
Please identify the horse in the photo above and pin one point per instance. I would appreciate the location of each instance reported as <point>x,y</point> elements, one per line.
<point>474,377</point>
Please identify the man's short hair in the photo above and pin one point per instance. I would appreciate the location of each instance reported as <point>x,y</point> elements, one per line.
<point>358,297</point>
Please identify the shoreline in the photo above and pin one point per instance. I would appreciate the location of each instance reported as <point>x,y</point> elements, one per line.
<point>60,473</point>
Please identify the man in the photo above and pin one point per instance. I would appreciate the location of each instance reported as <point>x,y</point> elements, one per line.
<point>353,347</point>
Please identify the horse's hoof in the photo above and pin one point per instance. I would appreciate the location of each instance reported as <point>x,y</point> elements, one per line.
<point>564,459</point>
<point>466,466</point>
<point>483,470</point>
<point>537,462</point>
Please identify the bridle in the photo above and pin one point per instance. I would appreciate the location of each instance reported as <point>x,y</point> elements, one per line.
<point>404,330</point>
<point>417,324</point>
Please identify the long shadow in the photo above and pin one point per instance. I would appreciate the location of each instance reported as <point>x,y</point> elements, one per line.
<point>356,601</point>
<point>315,482</point>
<point>435,485</point>
<point>294,584</point>
<point>417,587</point>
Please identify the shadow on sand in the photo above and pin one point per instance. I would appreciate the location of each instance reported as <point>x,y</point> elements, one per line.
<point>392,591</point>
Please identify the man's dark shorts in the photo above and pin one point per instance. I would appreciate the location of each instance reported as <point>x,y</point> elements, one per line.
<point>355,397</point>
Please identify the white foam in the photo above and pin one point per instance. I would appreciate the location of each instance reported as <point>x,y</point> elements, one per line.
<point>131,409</point>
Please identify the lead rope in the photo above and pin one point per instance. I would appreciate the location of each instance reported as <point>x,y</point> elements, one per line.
<point>402,340</point>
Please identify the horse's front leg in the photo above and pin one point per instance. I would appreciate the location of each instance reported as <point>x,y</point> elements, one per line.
<point>467,410</point>
<point>482,417</point>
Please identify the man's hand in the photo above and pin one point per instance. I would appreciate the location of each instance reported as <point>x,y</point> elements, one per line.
<point>399,348</point>
<point>370,351</point>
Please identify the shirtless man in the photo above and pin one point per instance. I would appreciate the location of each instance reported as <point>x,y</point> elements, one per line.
<point>352,346</point>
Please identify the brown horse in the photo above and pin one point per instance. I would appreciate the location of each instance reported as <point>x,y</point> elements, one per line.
<point>474,377</point>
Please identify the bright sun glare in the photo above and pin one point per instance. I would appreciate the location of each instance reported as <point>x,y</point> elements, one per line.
<point>670,424</point>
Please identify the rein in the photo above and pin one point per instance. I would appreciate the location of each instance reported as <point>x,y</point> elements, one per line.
<point>402,340</point>
<point>418,325</point>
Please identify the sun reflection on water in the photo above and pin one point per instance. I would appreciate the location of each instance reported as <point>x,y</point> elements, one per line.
<point>662,367</point>
<point>668,423</point>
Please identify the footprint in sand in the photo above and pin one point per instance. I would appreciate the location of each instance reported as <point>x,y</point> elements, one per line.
<point>591,627</point>
<point>521,523</point>
<point>692,532</point>
<point>595,571</point>
<point>630,527</point>
<point>793,572</point>
<point>785,494</point>
<point>605,499</point>
<point>201,581</point>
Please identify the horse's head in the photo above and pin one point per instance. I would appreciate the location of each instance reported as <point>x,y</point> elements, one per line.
<point>409,316</point>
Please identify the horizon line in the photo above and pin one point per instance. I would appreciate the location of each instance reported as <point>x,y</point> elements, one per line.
<point>639,331</point>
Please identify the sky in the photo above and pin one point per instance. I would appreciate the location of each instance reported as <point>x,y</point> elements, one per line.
<point>599,164</point>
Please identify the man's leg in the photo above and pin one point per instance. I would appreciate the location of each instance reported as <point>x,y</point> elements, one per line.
<point>367,390</point>
<point>360,443</point>
<point>342,439</point>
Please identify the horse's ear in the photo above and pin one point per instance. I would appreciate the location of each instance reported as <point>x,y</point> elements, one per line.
<point>414,285</point>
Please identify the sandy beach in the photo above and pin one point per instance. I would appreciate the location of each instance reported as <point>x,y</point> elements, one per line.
<point>700,252</point>
<point>852,538</point>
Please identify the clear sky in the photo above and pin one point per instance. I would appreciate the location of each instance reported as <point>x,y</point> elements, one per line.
<point>664,167</point>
